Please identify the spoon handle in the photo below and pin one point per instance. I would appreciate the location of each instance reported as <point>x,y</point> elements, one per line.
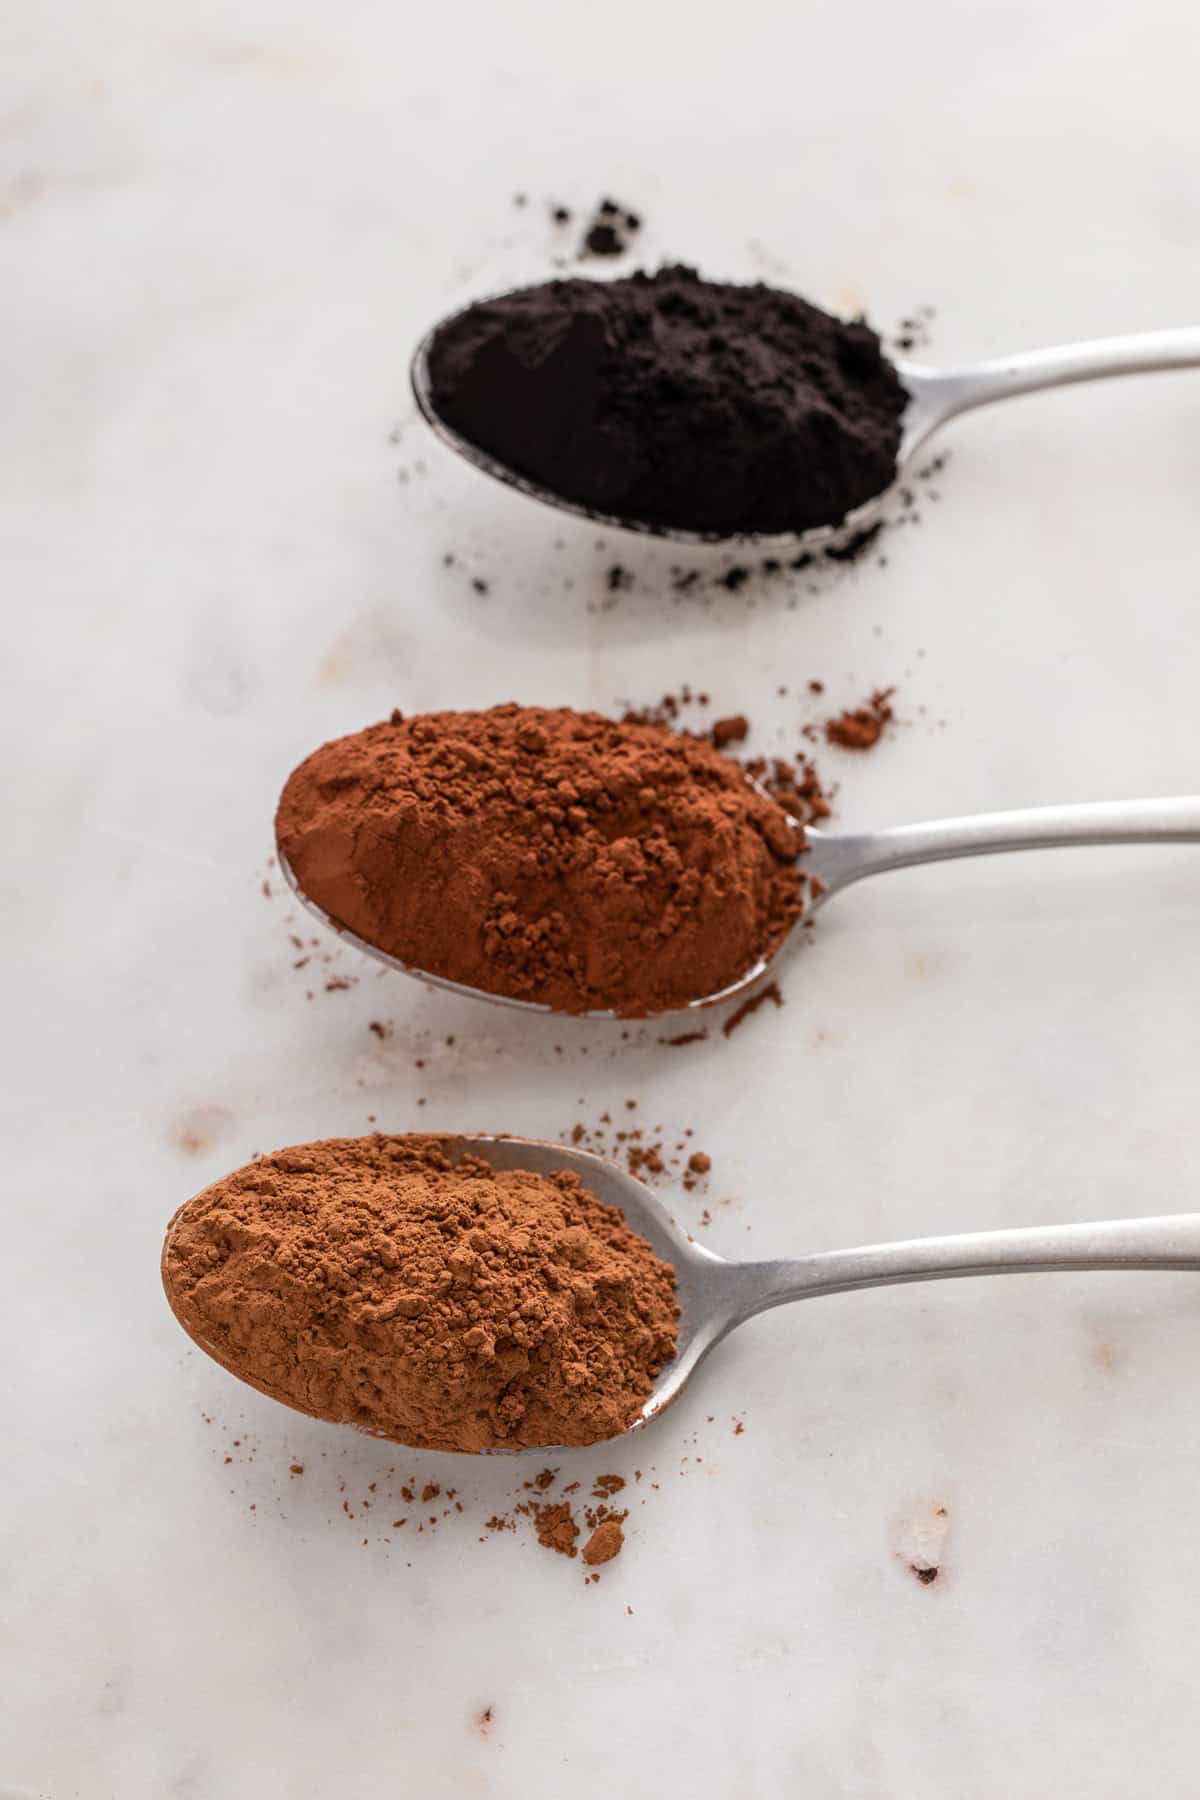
<point>1172,1242</point>
<point>980,383</point>
<point>838,858</point>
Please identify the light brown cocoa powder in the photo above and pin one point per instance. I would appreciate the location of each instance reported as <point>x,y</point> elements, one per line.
<point>392,1284</point>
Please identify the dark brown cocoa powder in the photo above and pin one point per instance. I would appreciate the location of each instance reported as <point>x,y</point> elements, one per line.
<point>671,400</point>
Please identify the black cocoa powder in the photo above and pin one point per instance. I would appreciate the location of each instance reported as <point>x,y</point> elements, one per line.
<point>670,400</point>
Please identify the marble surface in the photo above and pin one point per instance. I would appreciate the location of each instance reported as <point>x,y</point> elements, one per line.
<point>222,229</point>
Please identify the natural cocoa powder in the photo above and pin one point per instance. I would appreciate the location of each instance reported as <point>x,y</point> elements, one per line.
<point>605,1542</point>
<point>675,401</point>
<point>545,854</point>
<point>395,1284</point>
<point>861,727</point>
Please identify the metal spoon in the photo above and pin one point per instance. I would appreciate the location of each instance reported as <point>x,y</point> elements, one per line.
<point>835,859</point>
<point>715,1296</point>
<point>935,397</point>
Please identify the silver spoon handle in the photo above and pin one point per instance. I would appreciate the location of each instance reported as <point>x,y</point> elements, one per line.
<point>1002,376</point>
<point>1164,1243</point>
<point>838,858</point>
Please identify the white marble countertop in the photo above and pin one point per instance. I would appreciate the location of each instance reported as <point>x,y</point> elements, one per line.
<point>222,229</point>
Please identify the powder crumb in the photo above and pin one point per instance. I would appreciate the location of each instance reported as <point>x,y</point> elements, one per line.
<point>556,1527</point>
<point>605,1542</point>
<point>861,727</point>
<point>296,1469</point>
<point>605,1486</point>
<point>743,1012</point>
<point>610,230</point>
<point>856,545</point>
<point>733,730</point>
<point>699,1163</point>
<point>429,1492</point>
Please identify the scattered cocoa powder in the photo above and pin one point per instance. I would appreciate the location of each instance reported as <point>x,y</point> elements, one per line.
<point>605,1542</point>
<point>743,1012</point>
<point>861,727</point>
<point>556,1526</point>
<point>652,1153</point>
<point>730,731</point>
<point>610,230</point>
<point>392,1284</point>
<point>545,854</point>
<point>796,786</point>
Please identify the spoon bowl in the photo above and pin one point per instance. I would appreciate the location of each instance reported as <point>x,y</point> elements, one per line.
<point>935,396</point>
<point>832,860</point>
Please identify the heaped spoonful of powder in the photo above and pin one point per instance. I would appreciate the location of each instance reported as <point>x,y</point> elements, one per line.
<point>444,1304</point>
<point>545,855</point>
<point>673,402</point>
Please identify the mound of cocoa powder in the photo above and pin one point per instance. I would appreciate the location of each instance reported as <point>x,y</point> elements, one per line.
<point>383,1283</point>
<point>545,854</point>
<point>675,401</point>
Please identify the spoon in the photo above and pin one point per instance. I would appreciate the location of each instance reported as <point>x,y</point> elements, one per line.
<point>935,396</point>
<point>715,1296</point>
<point>832,860</point>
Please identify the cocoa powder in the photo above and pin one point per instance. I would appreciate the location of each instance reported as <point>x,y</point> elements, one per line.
<point>388,1283</point>
<point>861,727</point>
<point>545,854</point>
<point>605,1542</point>
<point>676,401</point>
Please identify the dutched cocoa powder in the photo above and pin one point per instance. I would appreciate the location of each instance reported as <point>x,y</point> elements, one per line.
<point>545,854</point>
<point>670,400</point>
<point>388,1283</point>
